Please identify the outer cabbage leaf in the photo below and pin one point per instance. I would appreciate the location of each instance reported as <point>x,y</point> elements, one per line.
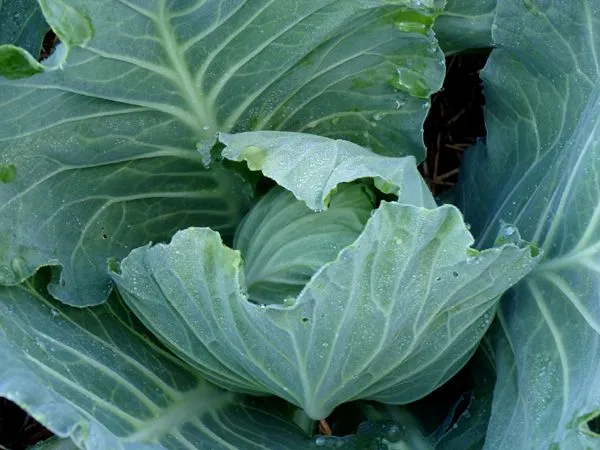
<point>540,171</point>
<point>311,167</point>
<point>22,24</point>
<point>284,242</point>
<point>93,375</point>
<point>465,25</point>
<point>55,443</point>
<point>107,140</point>
<point>393,317</point>
<point>22,28</point>
<point>468,432</point>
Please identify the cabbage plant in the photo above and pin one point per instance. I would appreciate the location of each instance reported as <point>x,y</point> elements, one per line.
<point>213,232</point>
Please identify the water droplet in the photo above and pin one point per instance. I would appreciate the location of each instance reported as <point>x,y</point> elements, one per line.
<point>204,151</point>
<point>412,82</point>
<point>321,441</point>
<point>394,433</point>
<point>472,259</point>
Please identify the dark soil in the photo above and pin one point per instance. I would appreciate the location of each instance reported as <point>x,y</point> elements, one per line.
<point>17,429</point>
<point>455,120</point>
<point>454,123</point>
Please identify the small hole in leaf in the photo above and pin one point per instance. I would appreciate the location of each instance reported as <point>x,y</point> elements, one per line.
<point>305,319</point>
<point>594,425</point>
<point>49,44</point>
<point>104,236</point>
<point>455,274</point>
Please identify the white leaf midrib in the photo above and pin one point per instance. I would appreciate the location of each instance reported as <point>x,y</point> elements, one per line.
<point>184,81</point>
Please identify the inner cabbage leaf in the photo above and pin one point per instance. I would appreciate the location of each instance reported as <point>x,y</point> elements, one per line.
<point>284,242</point>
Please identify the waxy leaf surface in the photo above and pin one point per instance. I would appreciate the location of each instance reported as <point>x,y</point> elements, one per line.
<point>396,314</point>
<point>94,376</point>
<point>22,24</point>
<point>104,141</point>
<point>540,171</point>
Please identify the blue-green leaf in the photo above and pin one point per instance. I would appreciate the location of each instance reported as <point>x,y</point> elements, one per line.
<point>540,171</point>
<point>465,25</point>
<point>395,315</point>
<point>284,242</point>
<point>22,24</point>
<point>311,167</point>
<point>73,27</point>
<point>94,376</point>
<point>104,145</point>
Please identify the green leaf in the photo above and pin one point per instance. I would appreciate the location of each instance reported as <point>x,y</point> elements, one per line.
<point>281,248</point>
<point>108,146</point>
<point>17,63</point>
<point>465,25</point>
<point>394,316</point>
<point>55,443</point>
<point>79,212</point>
<point>8,173</point>
<point>378,434</point>
<point>22,24</point>
<point>72,27</point>
<point>312,166</point>
<point>539,171</point>
<point>94,376</point>
<point>468,432</point>
<point>338,68</point>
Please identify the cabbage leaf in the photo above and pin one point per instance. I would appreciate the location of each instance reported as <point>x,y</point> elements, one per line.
<point>396,314</point>
<point>95,376</point>
<point>539,171</point>
<point>103,142</point>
